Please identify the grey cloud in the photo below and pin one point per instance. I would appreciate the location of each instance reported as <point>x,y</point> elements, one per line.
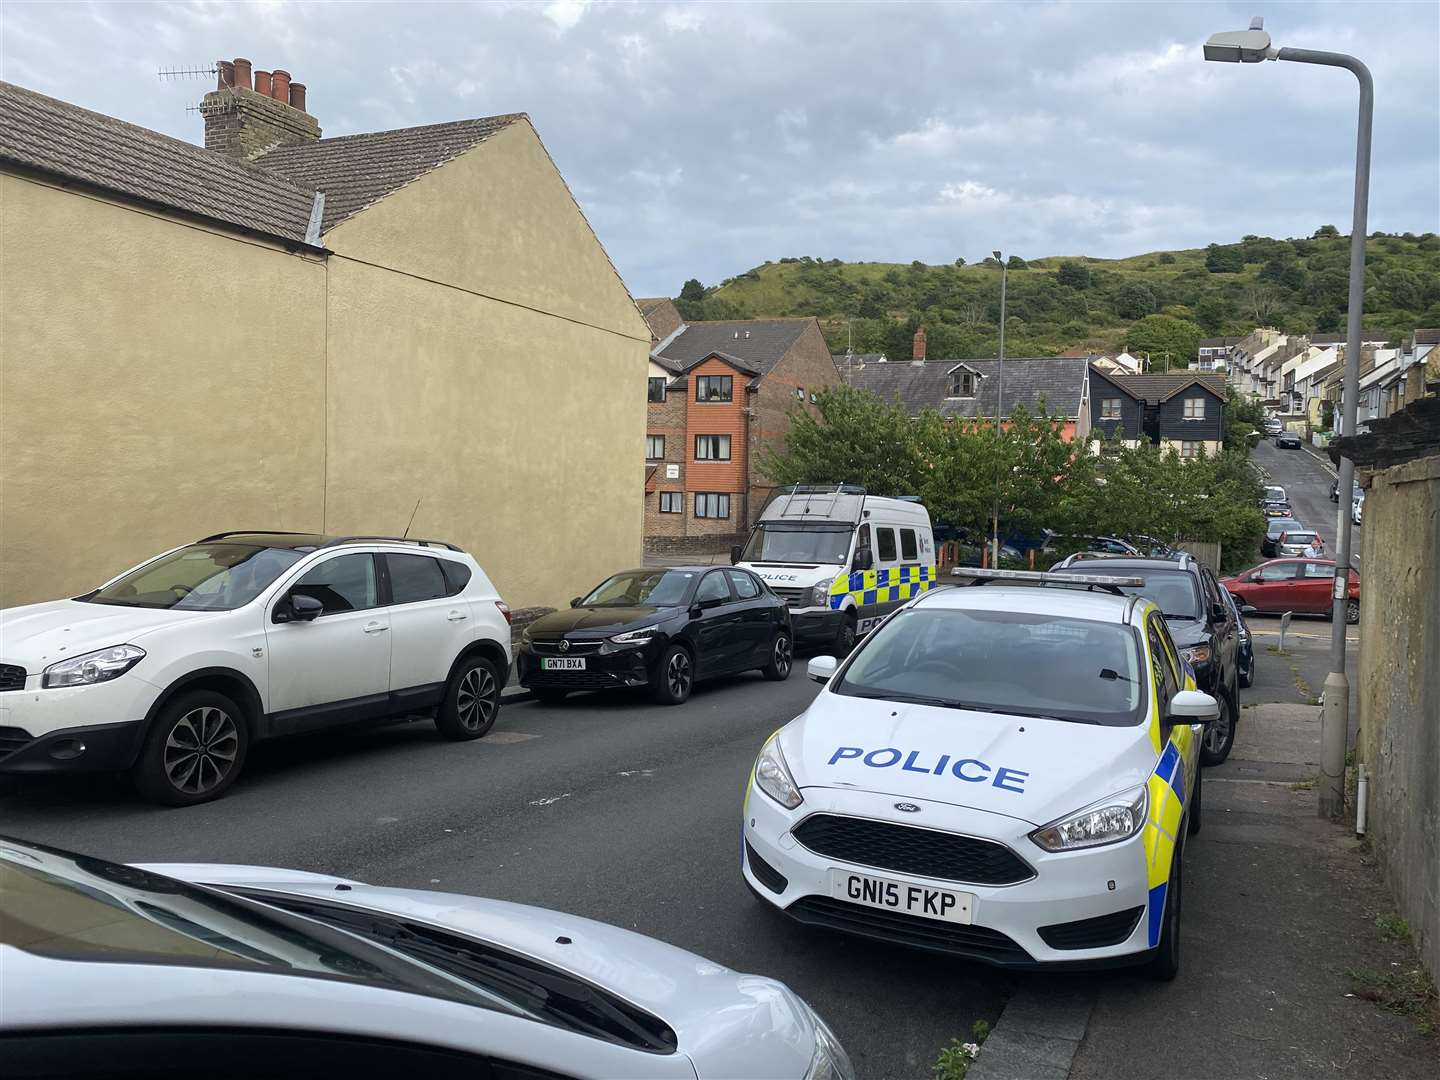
<point>705,138</point>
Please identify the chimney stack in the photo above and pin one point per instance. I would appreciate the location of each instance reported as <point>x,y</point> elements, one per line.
<point>918,349</point>
<point>244,122</point>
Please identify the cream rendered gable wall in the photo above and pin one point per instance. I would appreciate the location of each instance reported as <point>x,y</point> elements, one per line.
<point>485,358</point>
<point>159,380</point>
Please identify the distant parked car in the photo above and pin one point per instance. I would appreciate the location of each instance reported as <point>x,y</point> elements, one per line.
<point>173,669</point>
<point>1278,510</point>
<point>1245,651</point>
<point>1305,542</point>
<point>1273,528</point>
<point>1287,440</point>
<point>1355,490</point>
<point>1273,426</point>
<point>1299,585</point>
<point>1153,548</point>
<point>1357,506</point>
<point>1274,493</point>
<point>659,628</point>
<point>1107,545</point>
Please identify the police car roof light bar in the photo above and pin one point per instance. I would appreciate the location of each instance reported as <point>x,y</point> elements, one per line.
<point>1108,582</point>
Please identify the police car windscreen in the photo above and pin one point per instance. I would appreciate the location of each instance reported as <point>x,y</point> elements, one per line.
<point>804,544</point>
<point>1003,661</point>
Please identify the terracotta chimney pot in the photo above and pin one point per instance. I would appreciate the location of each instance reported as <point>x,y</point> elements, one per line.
<point>226,75</point>
<point>297,96</point>
<point>280,85</point>
<point>262,83</point>
<point>242,73</point>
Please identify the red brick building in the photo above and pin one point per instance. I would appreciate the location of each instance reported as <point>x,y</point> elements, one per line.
<point>718,392</point>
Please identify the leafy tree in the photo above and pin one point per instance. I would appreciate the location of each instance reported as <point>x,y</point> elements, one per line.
<point>692,290</point>
<point>856,439</point>
<point>1405,289</point>
<point>1168,340</point>
<point>959,262</point>
<point>1224,260</point>
<point>1134,301</point>
<point>1326,231</point>
<point>1016,263</point>
<point>1212,313</point>
<point>1165,258</point>
<point>1076,275</point>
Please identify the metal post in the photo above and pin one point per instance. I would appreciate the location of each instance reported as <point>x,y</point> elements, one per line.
<point>999,413</point>
<point>1335,720</point>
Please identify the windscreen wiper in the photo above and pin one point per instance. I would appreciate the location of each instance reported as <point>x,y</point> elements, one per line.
<point>1178,615</point>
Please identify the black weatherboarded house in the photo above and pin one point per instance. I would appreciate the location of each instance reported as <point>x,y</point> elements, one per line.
<point>1185,411</point>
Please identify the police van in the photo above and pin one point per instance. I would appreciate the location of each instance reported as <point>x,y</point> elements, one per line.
<point>841,558</point>
<point>1006,774</point>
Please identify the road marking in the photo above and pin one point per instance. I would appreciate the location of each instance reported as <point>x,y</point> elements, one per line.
<point>506,738</point>
<point>550,801</point>
<point>636,772</point>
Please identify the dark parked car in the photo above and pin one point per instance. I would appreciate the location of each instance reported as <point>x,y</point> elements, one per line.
<point>1287,440</point>
<point>1206,630</point>
<point>661,628</point>
<point>1274,528</point>
<point>1245,653</point>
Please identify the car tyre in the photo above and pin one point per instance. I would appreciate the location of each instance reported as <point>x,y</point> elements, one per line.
<point>1247,673</point>
<point>1352,611</point>
<point>675,676</point>
<point>845,636</point>
<point>782,658</point>
<point>472,700</point>
<point>194,751</point>
<point>1165,960</point>
<point>1192,819</point>
<point>550,695</point>
<point>1219,737</point>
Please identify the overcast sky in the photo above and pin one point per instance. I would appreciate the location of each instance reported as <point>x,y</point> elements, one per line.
<point>704,138</point>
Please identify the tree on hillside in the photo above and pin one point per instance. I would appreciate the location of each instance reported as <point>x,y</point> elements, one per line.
<point>1262,302</point>
<point>1165,258</point>
<point>959,263</point>
<point>1016,263</point>
<point>857,439</point>
<point>1212,313</point>
<point>1224,260</point>
<point>1169,341</point>
<point>1326,230</point>
<point>1405,290</point>
<point>692,290</point>
<point>1076,275</point>
<point>1134,301</point>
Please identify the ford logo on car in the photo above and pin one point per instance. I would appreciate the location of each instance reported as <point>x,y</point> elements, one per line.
<point>907,807</point>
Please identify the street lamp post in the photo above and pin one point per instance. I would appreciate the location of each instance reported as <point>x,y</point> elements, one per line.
<point>999,412</point>
<point>1252,46</point>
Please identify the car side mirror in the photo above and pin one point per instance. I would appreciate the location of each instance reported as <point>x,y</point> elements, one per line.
<point>1193,707</point>
<point>1249,609</point>
<point>735,552</point>
<point>304,608</point>
<point>710,602</point>
<point>575,601</point>
<point>864,558</point>
<point>821,668</point>
<point>1217,612</point>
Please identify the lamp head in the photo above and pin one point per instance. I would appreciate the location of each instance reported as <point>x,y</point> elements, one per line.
<point>1241,46</point>
<point>997,256</point>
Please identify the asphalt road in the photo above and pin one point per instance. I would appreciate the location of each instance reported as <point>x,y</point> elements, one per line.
<point>1308,485</point>
<point>607,807</point>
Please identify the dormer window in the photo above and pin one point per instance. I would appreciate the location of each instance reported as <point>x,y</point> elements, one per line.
<point>962,381</point>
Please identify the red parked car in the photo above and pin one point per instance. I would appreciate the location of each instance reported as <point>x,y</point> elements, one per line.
<point>1298,585</point>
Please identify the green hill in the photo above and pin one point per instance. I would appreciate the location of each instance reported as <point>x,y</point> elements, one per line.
<point>1158,302</point>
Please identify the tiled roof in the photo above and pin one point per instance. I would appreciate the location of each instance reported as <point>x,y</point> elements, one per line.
<point>1058,380</point>
<point>356,171</point>
<point>1427,337</point>
<point>757,343</point>
<point>273,195</point>
<point>1219,342</point>
<point>75,144</point>
<point>1153,389</point>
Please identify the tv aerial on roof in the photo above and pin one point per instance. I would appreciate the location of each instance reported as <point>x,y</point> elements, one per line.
<point>176,74</point>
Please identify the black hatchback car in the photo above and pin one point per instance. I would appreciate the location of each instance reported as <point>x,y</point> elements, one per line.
<point>1205,628</point>
<point>661,628</point>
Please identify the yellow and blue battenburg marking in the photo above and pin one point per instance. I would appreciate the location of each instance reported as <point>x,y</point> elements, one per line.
<point>1162,831</point>
<point>888,585</point>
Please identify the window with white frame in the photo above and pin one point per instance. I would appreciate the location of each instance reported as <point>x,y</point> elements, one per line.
<point>711,505</point>
<point>654,447</point>
<point>1110,408</point>
<point>962,384</point>
<point>712,447</point>
<point>672,502</point>
<point>1195,408</point>
<point>1189,449</point>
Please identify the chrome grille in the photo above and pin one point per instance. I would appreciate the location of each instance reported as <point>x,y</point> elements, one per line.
<point>551,647</point>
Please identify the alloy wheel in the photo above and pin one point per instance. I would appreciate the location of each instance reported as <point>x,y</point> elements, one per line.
<point>1352,611</point>
<point>200,750</point>
<point>677,674</point>
<point>1218,733</point>
<point>784,654</point>
<point>476,700</point>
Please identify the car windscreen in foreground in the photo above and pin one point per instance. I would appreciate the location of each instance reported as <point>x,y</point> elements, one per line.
<point>73,907</point>
<point>1172,591</point>
<point>1003,661</point>
<point>201,577</point>
<point>799,544</point>
<point>642,588</point>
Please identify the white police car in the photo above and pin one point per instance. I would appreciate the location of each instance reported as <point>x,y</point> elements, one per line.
<point>1005,774</point>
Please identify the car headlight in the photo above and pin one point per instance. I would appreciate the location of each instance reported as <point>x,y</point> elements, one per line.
<point>1106,822</point>
<point>820,593</point>
<point>99,666</point>
<point>830,1062</point>
<point>772,775</point>
<point>525,636</point>
<point>636,637</point>
<point>1197,654</point>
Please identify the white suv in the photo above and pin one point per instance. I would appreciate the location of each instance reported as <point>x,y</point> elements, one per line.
<point>174,668</point>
